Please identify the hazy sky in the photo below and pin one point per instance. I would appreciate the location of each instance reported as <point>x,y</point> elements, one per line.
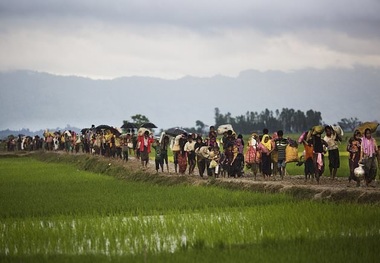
<point>175,38</point>
<point>170,39</point>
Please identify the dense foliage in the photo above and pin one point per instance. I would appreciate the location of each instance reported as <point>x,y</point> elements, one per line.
<point>288,120</point>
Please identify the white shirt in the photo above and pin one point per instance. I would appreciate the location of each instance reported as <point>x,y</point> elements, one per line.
<point>189,146</point>
<point>331,142</point>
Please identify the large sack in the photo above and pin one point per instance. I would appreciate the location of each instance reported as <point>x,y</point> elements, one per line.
<point>252,155</point>
<point>319,129</point>
<point>202,152</point>
<point>291,154</point>
<point>274,156</point>
<point>175,146</point>
<point>141,131</point>
<point>48,133</point>
<point>108,137</point>
<point>370,125</point>
<point>224,128</point>
<point>338,130</point>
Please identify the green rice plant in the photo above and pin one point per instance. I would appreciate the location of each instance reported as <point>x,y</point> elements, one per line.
<point>29,188</point>
<point>54,212</point>
<point>118,235</point>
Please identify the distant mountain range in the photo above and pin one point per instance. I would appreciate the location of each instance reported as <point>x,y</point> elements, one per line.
<point>37,100</point>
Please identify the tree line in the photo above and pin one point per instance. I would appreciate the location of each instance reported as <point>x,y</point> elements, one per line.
<point>288,120</point>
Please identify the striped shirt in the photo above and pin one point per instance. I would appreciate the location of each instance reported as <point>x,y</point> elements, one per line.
<point>280,145</point>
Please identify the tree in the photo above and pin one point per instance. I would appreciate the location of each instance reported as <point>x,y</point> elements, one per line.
<point>200,126</point>
<point>349,124</point>
<point>219,118</point>
<point>299,122</point>
<point>285,119</point>
<point>313,118</point>
<point>139,119</point>
<point>288,120</point>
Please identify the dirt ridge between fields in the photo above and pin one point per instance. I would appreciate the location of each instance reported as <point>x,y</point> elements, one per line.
<point>328,190</point>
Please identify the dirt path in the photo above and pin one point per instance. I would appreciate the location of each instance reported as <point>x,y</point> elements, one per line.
<point>335,190</point>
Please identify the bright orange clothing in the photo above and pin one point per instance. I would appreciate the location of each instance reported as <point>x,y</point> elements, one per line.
<point>308,151</point>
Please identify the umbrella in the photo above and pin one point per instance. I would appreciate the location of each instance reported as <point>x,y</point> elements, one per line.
<point>129,125</point>
<point>84,130</point>
<point>175,131</point>
<point>102,127</point>
<point>107,127</point>
<point>149,125</point>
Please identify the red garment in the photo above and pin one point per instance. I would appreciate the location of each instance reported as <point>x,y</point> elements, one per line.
<point>182,162</point>
<point>140,140</point>
<point>252,155</point>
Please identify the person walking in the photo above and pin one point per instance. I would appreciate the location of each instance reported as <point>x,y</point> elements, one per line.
<point>164,151</point>
<point>368,156</point>
<point>308,156</point>
<point>182,155</point>
<point>354,149</point>
<point>332,138</point>
<point>145,141</point>
<point>189,148</point>
<point>266,148</point>
<point>125,149</point>
<point>158,156</point>
<point>253,157</point>
<point>318,156</point>
<point>280,146</point>
<point>202,152</point>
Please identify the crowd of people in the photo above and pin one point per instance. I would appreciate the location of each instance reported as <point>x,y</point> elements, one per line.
<point>265,154</point>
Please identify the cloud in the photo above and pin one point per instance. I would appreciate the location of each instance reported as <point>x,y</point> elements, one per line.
<point>170,39</point>
<point>270,16</point>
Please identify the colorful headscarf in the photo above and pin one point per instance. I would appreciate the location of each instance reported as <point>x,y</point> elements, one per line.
<point>267,144</point>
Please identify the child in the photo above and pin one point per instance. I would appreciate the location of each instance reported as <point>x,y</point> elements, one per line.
<point>158,157</point>
<point>214,157</point>
<point>222,165</point>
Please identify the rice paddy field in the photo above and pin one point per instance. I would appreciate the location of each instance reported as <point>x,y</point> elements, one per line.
<point>63,211</point>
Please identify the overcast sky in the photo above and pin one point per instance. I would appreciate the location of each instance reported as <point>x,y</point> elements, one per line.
<point>174,38</point>
<point>170,39</point>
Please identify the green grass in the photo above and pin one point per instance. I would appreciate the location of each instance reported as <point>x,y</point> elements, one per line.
<point>53,212</point>
<point>29,188</point>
